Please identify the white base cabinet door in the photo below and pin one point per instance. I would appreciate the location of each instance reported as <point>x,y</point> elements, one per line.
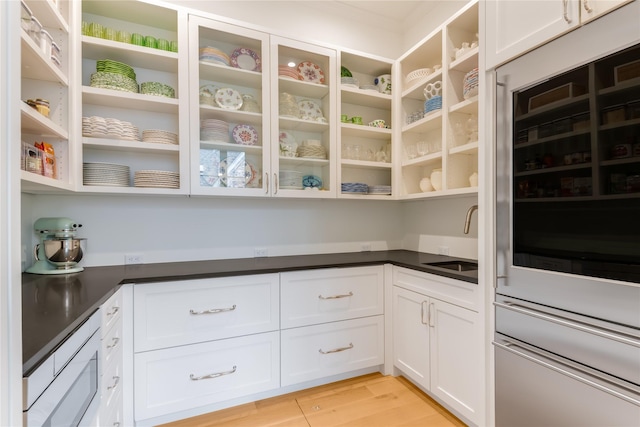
<point>190,376</point>
<point>323,350</point>
<point>456,354</point>
<point>438,346</point>
<point>411,335</point>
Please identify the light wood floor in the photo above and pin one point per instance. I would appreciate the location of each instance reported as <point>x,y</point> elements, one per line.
<point>372,400</point>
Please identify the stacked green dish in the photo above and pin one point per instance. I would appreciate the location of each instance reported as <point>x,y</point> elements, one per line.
<point>114,75</point>
<point>115,67</point>
<point>158,89</point>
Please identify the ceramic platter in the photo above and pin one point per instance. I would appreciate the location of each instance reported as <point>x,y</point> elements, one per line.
<point>309,110</point>
<point>236,173</point>
<point>245,135</point>
<point>246,59</point>
<point>311,72</point>
<point>228,98</point>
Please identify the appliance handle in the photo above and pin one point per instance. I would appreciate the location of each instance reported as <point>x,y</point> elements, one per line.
<point>552,362</point>
<point>36,249</point>
<point>594,330</point>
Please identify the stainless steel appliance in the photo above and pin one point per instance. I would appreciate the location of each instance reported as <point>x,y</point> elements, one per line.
<point>567,341</point>
<point>63,389</point>
<point>59,250</point>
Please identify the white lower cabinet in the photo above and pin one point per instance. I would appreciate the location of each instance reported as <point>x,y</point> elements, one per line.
<point>185,377</point>
<point>318,351</point>
<point>438,346</point>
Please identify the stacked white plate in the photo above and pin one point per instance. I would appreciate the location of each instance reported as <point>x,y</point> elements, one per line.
<point>105,174</point>
<point>214,130</point>
<point>156,179</point>
<point>470,85</point>
<point>100,127</point>
<point>213,54</point>
<point>380,189</point>
<point>159,136</point>
<point>289,106</point>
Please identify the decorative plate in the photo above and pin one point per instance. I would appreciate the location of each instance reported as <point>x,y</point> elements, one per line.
<point>310,110</point>
<point>236,173</point>
<point>228,98</point>
<point>287,138</point>
<point>310,72</point>
<point>246,59</point>
<point>245,135</point>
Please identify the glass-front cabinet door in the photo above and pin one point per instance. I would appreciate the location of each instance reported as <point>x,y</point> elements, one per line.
<point>303,110</point>
<point>229,119</point>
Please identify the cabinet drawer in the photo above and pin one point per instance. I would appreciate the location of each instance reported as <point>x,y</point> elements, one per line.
<point>111,312</point>
<point>319,296</point>
<point>322,350</point>
<point>112,346</point>
<point>186,312</point>
<point>458,292</point>
<point>111,385</point>
<point>186,377</point>
<point>111,415</point>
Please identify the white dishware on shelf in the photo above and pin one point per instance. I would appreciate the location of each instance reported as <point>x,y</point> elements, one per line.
<point>473,179</point>
<point>425,185</point>
<point>436,179</point>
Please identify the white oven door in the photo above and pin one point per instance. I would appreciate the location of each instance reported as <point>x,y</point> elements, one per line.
<point>71,399</point>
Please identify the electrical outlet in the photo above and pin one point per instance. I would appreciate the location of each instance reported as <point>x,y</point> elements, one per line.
<point>134,259</point>
<point>366,247</point>
<point>260,252</point>
<point>443,250</point>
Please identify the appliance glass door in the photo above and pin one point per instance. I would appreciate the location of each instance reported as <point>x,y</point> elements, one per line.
<point>567,227</point>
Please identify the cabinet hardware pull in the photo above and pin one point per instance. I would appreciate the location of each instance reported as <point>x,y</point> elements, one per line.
<point>422,310</point>
<point>570,323</point>
<point>565,14</point>
<point>431,310</point>
<point>588,8</point>
<point>212,310</point>
<point>337,350</point>
<point>275,183</point>
<point>113,311</point>
<point>350,294</point>
<point>115,384</point>
<point>116,423</point>
<point>214,375</point>
<point>266,183</point>
<point>115,341</point>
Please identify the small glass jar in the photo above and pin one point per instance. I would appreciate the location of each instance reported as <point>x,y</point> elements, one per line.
<point>42,105</point>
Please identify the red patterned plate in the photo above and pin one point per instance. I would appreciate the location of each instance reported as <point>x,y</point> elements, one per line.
<point>310,72</point>
<point>245,135</point>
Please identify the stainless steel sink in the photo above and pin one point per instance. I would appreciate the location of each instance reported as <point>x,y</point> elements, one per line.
<point>455,265</point>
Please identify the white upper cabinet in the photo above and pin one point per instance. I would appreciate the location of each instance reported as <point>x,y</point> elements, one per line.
<point>229,114</point>
<point>133,99</point>
<point>365,143</point>
<point>515,27</point>
<point>45,61</point>
<point>303,119</point>
<point>438,111</point>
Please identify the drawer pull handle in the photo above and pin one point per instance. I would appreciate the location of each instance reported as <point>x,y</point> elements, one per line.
<point>213,310</point>
<point>214,375</point>
<point>337,350</point>
<point>350,294</point>
<point>115,383</point>
<point>115,341</point>
<point>113,311</point>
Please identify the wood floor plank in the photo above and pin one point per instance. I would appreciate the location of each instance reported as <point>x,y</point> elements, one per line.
<point>372,400</point>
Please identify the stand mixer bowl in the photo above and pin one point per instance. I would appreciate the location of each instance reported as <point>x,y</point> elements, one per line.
<point>62,253</point>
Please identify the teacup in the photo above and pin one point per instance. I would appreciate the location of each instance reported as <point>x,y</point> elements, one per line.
<point>356,120</point>
<point>377,124</point>
<point>383,83</point>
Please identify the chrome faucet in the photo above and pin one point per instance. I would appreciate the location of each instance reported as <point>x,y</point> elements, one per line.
<point>467,221</point>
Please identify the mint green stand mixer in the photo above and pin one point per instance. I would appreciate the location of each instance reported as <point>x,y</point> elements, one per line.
<point>59,250</point>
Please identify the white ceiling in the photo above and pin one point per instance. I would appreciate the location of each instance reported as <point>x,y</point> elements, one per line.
<point>395,10</point>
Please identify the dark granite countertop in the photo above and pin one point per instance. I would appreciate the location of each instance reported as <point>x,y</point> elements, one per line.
<point>54,306</point>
